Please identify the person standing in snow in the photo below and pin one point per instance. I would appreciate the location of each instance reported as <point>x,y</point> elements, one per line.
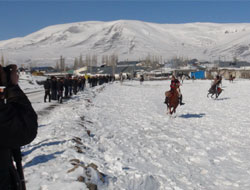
<point>66,86</point>
<point>18,127</point>
<point>75,84</point>
<point>60,90</point>
<point>54,88</point>
<point>175,84</point>
<point>70,86</point>
<point>47,87</point>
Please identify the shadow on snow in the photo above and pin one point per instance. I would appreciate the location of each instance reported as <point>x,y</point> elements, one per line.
<point>188,115</point>
<point>41,145</point>
<point>219,99</point>
<point>42,159</point>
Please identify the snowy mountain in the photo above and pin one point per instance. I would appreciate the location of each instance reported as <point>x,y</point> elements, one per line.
<point>130,40</point>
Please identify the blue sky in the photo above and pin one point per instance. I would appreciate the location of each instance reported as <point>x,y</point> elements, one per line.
<point>20,18</point>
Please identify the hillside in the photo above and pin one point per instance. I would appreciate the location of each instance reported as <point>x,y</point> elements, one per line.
<point>130,40</point>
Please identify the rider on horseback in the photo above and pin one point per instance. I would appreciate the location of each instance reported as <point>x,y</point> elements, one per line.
<point>216,83</point>
<point>175,85</point>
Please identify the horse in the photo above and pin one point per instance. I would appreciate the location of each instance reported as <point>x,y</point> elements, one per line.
<point>231,78</point>
<point>173,100</point>
<point>141,79</point>
<point>212,91</point>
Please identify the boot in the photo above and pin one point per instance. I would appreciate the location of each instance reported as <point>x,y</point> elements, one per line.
<point>180,101</point>
<point>166,100</point>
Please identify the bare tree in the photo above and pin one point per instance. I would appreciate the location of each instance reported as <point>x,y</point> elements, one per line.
<point>103,59</point>
<point>113,62</point>
<point>107,60</point>
<point>62,63</point>
<point>88,60</point>
<point>76,64</point>
<point>57,66</point>
<point>81,63</point>
<point>94,60</point>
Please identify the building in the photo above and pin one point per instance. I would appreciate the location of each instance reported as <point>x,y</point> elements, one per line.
<point>43,69</point>
<point>125,67</point>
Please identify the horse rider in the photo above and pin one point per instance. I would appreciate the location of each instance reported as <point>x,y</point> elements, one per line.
<point>175,84</point>
<point>216,83</point>
<point>141,79</point>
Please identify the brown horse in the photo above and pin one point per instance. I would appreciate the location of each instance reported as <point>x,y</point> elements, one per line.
<point>173,100</point>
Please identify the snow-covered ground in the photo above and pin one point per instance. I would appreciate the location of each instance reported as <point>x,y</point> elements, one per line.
<point>119,137</point>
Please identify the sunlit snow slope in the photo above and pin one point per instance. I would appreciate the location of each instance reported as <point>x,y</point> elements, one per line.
<point>130,40</point>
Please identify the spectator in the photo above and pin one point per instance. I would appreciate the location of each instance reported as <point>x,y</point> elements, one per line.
<point>18,127</point>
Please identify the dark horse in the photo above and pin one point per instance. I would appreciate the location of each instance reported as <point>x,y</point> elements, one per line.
<point>173,100</point>
<point>214,91</point>
<point>231,78</point>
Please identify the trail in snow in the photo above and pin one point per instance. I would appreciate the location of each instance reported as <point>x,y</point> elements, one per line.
<point>124,130</point>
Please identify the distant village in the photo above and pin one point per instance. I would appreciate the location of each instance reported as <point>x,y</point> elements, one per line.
<point>192,69</point>
<point>150,69</point>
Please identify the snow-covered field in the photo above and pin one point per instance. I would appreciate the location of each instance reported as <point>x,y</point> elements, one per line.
<point>121,138</point>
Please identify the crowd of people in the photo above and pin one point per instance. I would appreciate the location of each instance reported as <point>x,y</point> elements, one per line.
<point>64,87</point>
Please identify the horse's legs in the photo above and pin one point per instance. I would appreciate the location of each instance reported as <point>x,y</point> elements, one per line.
<point>173,110</point>
<point>170,111</point>
<point>219,93</point>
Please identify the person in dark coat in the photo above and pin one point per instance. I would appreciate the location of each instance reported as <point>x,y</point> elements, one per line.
<point>83,80</point>
<point>54,88</point>
<point>66,87</point>
<point>47,87</point>
<point>70,86</point>
<point>79,84</point>
<point>60,90</point>
<point>18,127</point>
<point>75,85</point>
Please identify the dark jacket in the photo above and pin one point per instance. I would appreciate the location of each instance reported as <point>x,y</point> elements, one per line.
<point>60,86</point>
<point>174,84</point>
<point>53,85</point>
<point>47,85</point>
<point>18,127</point>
